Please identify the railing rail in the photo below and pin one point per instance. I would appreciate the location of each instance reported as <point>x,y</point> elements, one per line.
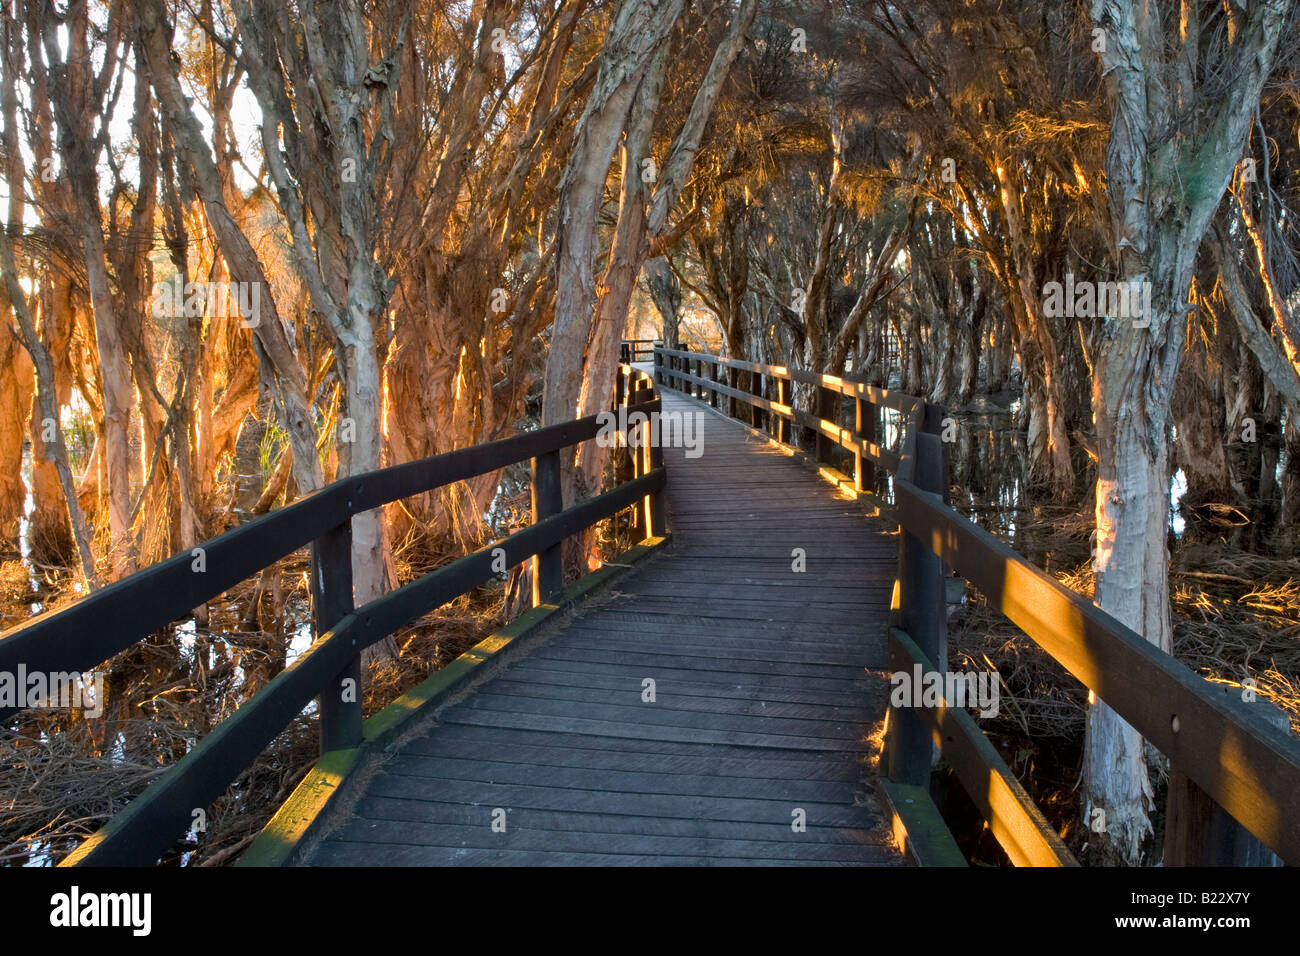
<point>110,620</point>
<point>1241,762</point>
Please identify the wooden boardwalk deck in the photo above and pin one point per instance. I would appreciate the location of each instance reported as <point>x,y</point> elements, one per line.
<point>769,690</point>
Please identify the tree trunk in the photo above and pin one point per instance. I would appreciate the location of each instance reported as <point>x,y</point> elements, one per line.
<point>1169,160</point>
<point>635,36</point>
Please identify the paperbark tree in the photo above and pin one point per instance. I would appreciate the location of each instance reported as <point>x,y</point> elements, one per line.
<point>326,156</point>
<point>48,424</point>
<point>78,95</point>
<point>276,349</point>
<point>589,320</point>
<point>1183,83</point>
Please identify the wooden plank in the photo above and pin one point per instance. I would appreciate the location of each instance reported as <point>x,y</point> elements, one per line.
<point>365,854</point>
<point>668,662</point>
<point>667,698</point>
<point>663,717</point>
<point>764,677</point>
<point>459,814</point>
<point>655,628</point>
<point>561,723</point>
<point>486,796</point>
<point>803,766</point>
<point>719,650</point>
<point>845,648</point>
<point>603,747</point>
<point>762,595</point>
<point>279,838</point>
<point>603,780</point>
<point>723,687</point>
<point>518,837</point>
<point>839,615</point>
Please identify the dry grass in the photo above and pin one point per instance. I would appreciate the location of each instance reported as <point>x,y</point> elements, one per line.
<point>1236,616</point>
<point>1239,619</point>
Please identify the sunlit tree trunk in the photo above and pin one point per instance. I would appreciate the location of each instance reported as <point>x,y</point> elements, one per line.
<point>71,88</point>
<point>635,35</point>
<point>276,348</point>
<point>1164,186</point>
<point>626,97</point>
<point>17,385</point>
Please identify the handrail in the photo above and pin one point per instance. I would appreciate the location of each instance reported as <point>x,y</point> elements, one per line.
<point>112,619</point>
<point>1246,766</point>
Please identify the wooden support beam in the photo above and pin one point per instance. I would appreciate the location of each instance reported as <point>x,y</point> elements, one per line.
<point>332,600</point>
<point>783,423</point>
<point>548,565</point>
<point>827,410</point>
<point>923,615</point>
<point>864,429</point>
<point>918,828</point>
<point>1199,832</point>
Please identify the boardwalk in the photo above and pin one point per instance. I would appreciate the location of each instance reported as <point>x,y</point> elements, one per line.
<point>768,693</point>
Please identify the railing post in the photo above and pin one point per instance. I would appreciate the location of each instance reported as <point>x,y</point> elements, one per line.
<point>653,504</point>
<point>658,359</point>
<point>826,410</point>
<point>331,601</point>
<point>548,565</point>
<point>783,399</point>
<point>924,619</point>
<point>715,376</point>
<point>1199,832</point>
<point>934,416</point>
<point>733,379</point>
<point>864,429</point>
<point>757,417</point>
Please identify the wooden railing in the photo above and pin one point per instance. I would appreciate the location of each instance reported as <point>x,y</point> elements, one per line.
<point>110,620</point>
<point>1226,757</point>
<point>637,350</point>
